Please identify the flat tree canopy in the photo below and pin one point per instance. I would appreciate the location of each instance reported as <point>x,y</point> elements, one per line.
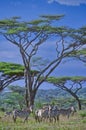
<point>12,69</point>
<point>56,80</point>
<point>10,72</point>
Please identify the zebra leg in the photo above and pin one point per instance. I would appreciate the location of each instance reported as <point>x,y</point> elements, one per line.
<point>26,119</point>
<point>68,116</point>
<point>14,118</point>
<point>54,119</point>
<point>58,118</point>
<point>50,119</point>
<point>36,118</point>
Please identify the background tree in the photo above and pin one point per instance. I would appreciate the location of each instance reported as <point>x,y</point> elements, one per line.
<point>29,36</point>
<point>12,98</point>
<point>72,85</point>
<point>19,94</point>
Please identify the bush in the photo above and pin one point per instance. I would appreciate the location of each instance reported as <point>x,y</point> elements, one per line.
<point>2,109</point>
<point>82,113</point>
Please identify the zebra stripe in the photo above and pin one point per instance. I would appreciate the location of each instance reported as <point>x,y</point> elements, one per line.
<point>54,114</point>
<point>42,113</point>
<point>67,112</point>
<point>49,112</point>
<point>21,114</point>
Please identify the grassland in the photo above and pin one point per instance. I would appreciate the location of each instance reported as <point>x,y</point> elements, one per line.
<point>76,122</point>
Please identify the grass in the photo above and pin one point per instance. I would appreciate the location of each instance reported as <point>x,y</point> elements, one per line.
<point>82,113</point>
<point>75,122</point>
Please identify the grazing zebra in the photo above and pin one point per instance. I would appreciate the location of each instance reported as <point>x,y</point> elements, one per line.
<point>67,112</point>
<point>22,114</point>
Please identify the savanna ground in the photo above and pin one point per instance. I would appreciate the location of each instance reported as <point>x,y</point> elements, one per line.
<point>76,122</point>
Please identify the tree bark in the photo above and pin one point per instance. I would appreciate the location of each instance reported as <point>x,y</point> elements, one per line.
<point>30,91</point>
<point>78,101</point>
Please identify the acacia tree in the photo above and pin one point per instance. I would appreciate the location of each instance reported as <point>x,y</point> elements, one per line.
<point>29,36</point>
<point>10,72</point>
<point>72,85</point>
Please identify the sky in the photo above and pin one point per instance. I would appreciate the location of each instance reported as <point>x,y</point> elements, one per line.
<point>75,16</point>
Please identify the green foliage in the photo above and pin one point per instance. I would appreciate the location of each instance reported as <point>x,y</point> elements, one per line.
<point>38,104</point>
<point>15,26</point>
<point>52,17</point>
<point>17,89</point>
<point>82,30</point>
<point>12,100</point>
<point>79,53</point>
<point>82,52</point>
<point>16,30</point>
<point>84,121</point>
<point>7,22</point>
<point>38,22</point>
<point>11,69</point>
<point>15,98</point>
<point>56,80</point>
<point>82,113</point>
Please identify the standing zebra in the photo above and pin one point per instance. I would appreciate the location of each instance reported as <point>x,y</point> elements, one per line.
<point>67,112</point>
<point>42,113</point>
<point>47,113</point>
<point>54,113</point>
<point>22,114</point>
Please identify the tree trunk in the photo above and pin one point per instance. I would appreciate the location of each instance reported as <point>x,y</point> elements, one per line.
<point>74,95</point>
<point>77,99</point>
<point>27,95</point>
<point>32,97</point>
<point>79,103</point>
<point>30,92</point>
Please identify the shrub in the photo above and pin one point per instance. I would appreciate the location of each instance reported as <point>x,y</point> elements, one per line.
<point>82,113</point>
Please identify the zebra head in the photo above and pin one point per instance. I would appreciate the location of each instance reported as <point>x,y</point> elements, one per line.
<point>28,109</point>
<point>73,110</point>
<point>31,108</point>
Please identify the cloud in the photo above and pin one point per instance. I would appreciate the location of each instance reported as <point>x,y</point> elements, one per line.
<point>16,3</point>
<point>69,2</point>
<point>8,54</point>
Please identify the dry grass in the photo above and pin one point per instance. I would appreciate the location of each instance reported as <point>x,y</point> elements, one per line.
<point>75,122</point>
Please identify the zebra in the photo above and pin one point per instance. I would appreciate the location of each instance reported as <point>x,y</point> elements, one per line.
<point>42,114</point>
<point>47,113</point>
<point>67,112</point>
<point>38,115</point>
<point>54,113</point>
<point>22,113</point>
